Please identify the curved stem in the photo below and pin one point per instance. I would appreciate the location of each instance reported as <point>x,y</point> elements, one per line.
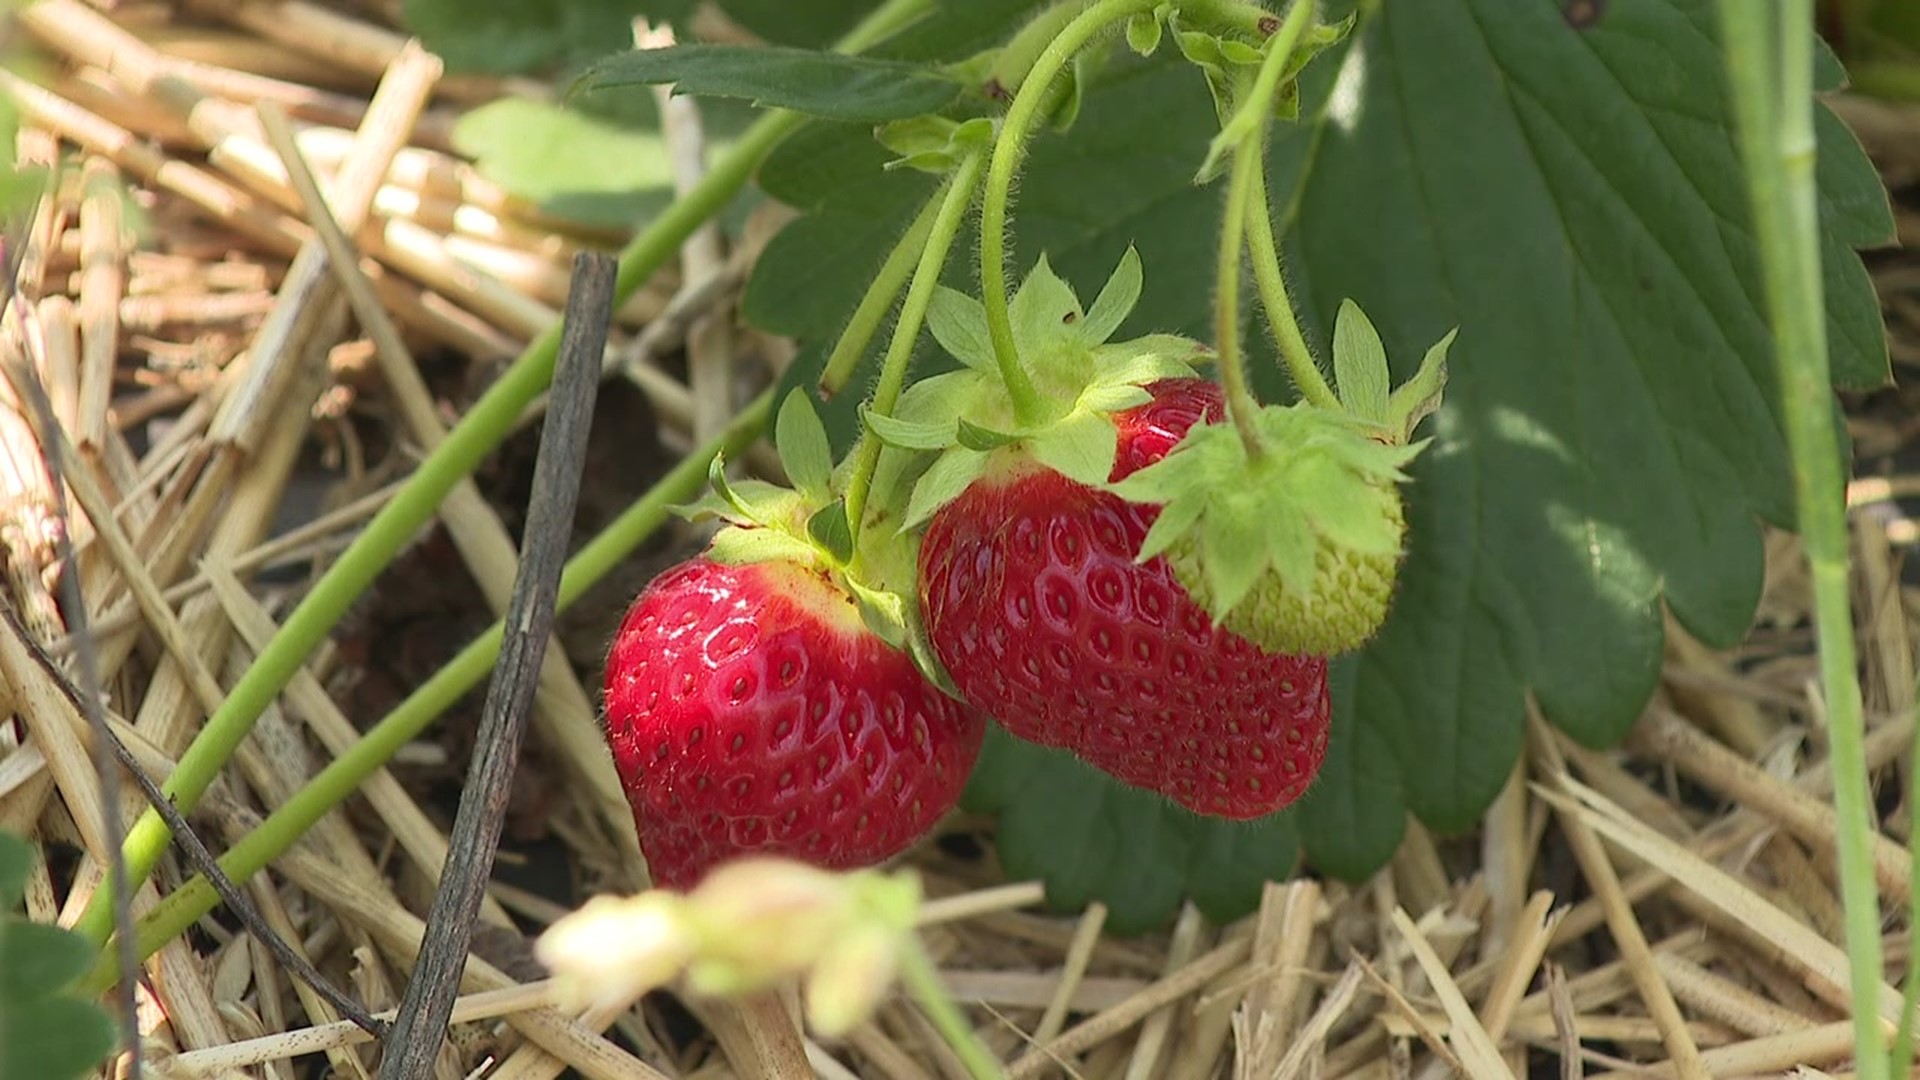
<point>1267,275</point>
<point>485,425</point>
<point>1242,406</point>
<point>916,971</point>
<point>913,312</point>
<point>1308,379</point>
<point>1008,148</point>
<point>873,307</point>
<point>341,778</point>
<point>1249,170</point>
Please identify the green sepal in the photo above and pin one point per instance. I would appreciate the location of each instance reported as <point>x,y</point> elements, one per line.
<point>739,545</point>
<point>801,440</point>
<point>943,481</point>
<point>959,324</point>
<point>907,434</point>
<point>933,144</point>
<point>1081,447</point>
<point>1360,368</point>
<point>829,528</point>
<point>1230,65</point>
<point>1143,32</point>
<point>745,502</point>
<point>1421,396</point>
<point>890,615</point>
<point>975,437</point>
<point>1082,377</point>
<point>1116,300</point>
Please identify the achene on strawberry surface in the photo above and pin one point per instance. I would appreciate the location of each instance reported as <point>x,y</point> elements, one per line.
<point>749,708</point>
<point>1042,616</point>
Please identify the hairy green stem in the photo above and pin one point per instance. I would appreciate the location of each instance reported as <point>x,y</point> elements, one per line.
<point>1308,380</point>
<point>1008,148</point>
<point>916,971</point>
<point>1903,1052</point>
<point>479,431</point>
<point>954,203</point>
<point>1242,407</point>
<point>1249,173</point>
<point>1770,71</point>
<point>878,300</point>
<point>340,779</point>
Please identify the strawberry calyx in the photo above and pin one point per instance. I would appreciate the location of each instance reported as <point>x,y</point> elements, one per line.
<point>806,525</point>
<point>962,423</point>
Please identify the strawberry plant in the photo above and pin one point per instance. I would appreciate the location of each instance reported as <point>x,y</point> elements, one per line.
<point>1501,399</point>
<point>1563,197</point>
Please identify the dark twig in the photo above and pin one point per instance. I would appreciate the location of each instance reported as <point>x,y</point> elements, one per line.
<point>89,661</point>
<point>198,854</point>
<point>428,1002</point>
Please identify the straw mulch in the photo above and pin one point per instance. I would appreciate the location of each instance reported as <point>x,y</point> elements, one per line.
<point>1667,909</point>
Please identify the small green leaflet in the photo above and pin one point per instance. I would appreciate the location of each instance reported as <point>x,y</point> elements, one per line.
<point>802,443</point>
<point>44,1033</point>
<point>1360,364</point>
<point>834,86</point>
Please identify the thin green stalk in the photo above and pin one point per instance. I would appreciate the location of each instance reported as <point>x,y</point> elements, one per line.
<point>878,300</point>
<point>954,204</point>
<point>486,423</point>
<point>1268,277</point>
<point>916,970</point>
<point>1248,174</point>
<point>340,779</point>
<point>1242,407</point>
<point>1008,148</point>
<point>1770,67</point>
<point>1910,994</point>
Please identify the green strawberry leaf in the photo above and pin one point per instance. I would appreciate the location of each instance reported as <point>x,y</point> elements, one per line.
<point>826,84</point>
<point>1360,364</point>
<point>53,1038</point>
<point>36,958</point>
<point>1093,838</point>
<point>16,862</point>
<point>801,440</point>
<point>43,1034</point>
<point>506,37</point>
<point>1571,201</point>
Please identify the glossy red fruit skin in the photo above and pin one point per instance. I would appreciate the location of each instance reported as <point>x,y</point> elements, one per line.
<point>1044,621</point>
<point>749,709</point>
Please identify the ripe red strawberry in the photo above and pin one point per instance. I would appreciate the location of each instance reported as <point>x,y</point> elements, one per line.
<point>1042,617</point>
<point>750,709</point>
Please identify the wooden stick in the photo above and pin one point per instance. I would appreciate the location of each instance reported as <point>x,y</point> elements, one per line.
<point>422,1019</point>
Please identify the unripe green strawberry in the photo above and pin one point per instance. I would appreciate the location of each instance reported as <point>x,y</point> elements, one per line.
<point>1296,549</point>
<point>1286,525</point>
<point>1345,607</point>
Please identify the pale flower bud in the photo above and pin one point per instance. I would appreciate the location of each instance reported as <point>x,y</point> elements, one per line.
<point>613,950</point>
<point>763,919</point>
<point>850,981</point>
